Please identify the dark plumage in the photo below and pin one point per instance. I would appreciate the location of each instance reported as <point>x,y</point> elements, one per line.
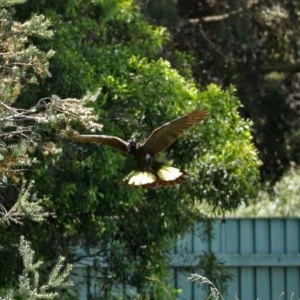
<point>149,172</point>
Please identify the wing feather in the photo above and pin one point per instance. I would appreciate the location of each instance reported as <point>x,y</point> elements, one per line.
<point>107,140</point>
<point>165,135</point>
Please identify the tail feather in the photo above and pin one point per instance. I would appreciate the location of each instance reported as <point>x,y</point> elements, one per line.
<point>164,176</point>
<point>167,173</point>
<point>138,178</point>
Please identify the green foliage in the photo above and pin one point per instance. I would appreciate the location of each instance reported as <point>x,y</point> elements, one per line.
<point>162,289</point>
<point>215,278</point>
<point>110,49</point>
<point>21,63</point>
<point>230,152</point>
<point>13,158</point>
<point>254,46</point>
<point>279,200</point>
<point>30,286</point>
<point>107,31</point>
<point>9,3</point>
<point>90,205</point>
<point>162,12</point>
<point>25,207</point>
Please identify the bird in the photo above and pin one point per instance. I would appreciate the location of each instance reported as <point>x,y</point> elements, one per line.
<point>149,172</point>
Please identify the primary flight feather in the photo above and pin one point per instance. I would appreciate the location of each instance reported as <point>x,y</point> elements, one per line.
<point>149,172</point>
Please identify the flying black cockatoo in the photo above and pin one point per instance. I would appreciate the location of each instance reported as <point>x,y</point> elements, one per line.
<point>149,172</point>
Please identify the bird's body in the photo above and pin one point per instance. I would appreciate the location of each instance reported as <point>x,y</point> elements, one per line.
<point>149,172</point>
<point>144,157</point>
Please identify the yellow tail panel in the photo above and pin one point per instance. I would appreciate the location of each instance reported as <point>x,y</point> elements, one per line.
<point>137,178</point>
<point>163,176</point>
<point>167,173</point>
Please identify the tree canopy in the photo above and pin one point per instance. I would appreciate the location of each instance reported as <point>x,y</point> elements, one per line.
<point>254,46</point>
<point>109,74</point>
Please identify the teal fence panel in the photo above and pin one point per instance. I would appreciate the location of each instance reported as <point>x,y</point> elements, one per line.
<point>262,254</point>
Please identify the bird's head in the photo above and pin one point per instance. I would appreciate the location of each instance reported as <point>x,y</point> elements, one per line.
<point>131,146</point>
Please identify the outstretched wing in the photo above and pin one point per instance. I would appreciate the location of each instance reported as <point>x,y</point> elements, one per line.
<point>108,140</point>
<point>163,136</point>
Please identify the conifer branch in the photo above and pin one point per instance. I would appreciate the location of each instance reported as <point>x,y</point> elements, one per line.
<point>30,286</point>
<point>25,207</point>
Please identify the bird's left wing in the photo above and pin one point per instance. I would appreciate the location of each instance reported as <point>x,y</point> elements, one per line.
<point>163,136</point>
<point>108,140</point>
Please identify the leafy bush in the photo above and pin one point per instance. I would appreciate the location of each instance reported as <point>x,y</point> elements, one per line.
<point>280,200</point>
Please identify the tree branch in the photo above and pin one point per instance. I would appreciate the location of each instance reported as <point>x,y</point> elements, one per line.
<point>222,17</point>
<point>283,67</point>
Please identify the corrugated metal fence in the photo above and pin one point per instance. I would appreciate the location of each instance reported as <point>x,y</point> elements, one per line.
<point>263,255</point>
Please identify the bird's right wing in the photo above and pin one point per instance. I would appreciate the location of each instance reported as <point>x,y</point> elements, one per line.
<point>111,141</point>
<point>163,136</point>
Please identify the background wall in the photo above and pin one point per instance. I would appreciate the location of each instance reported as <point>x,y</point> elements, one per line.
<point>262,254</point>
